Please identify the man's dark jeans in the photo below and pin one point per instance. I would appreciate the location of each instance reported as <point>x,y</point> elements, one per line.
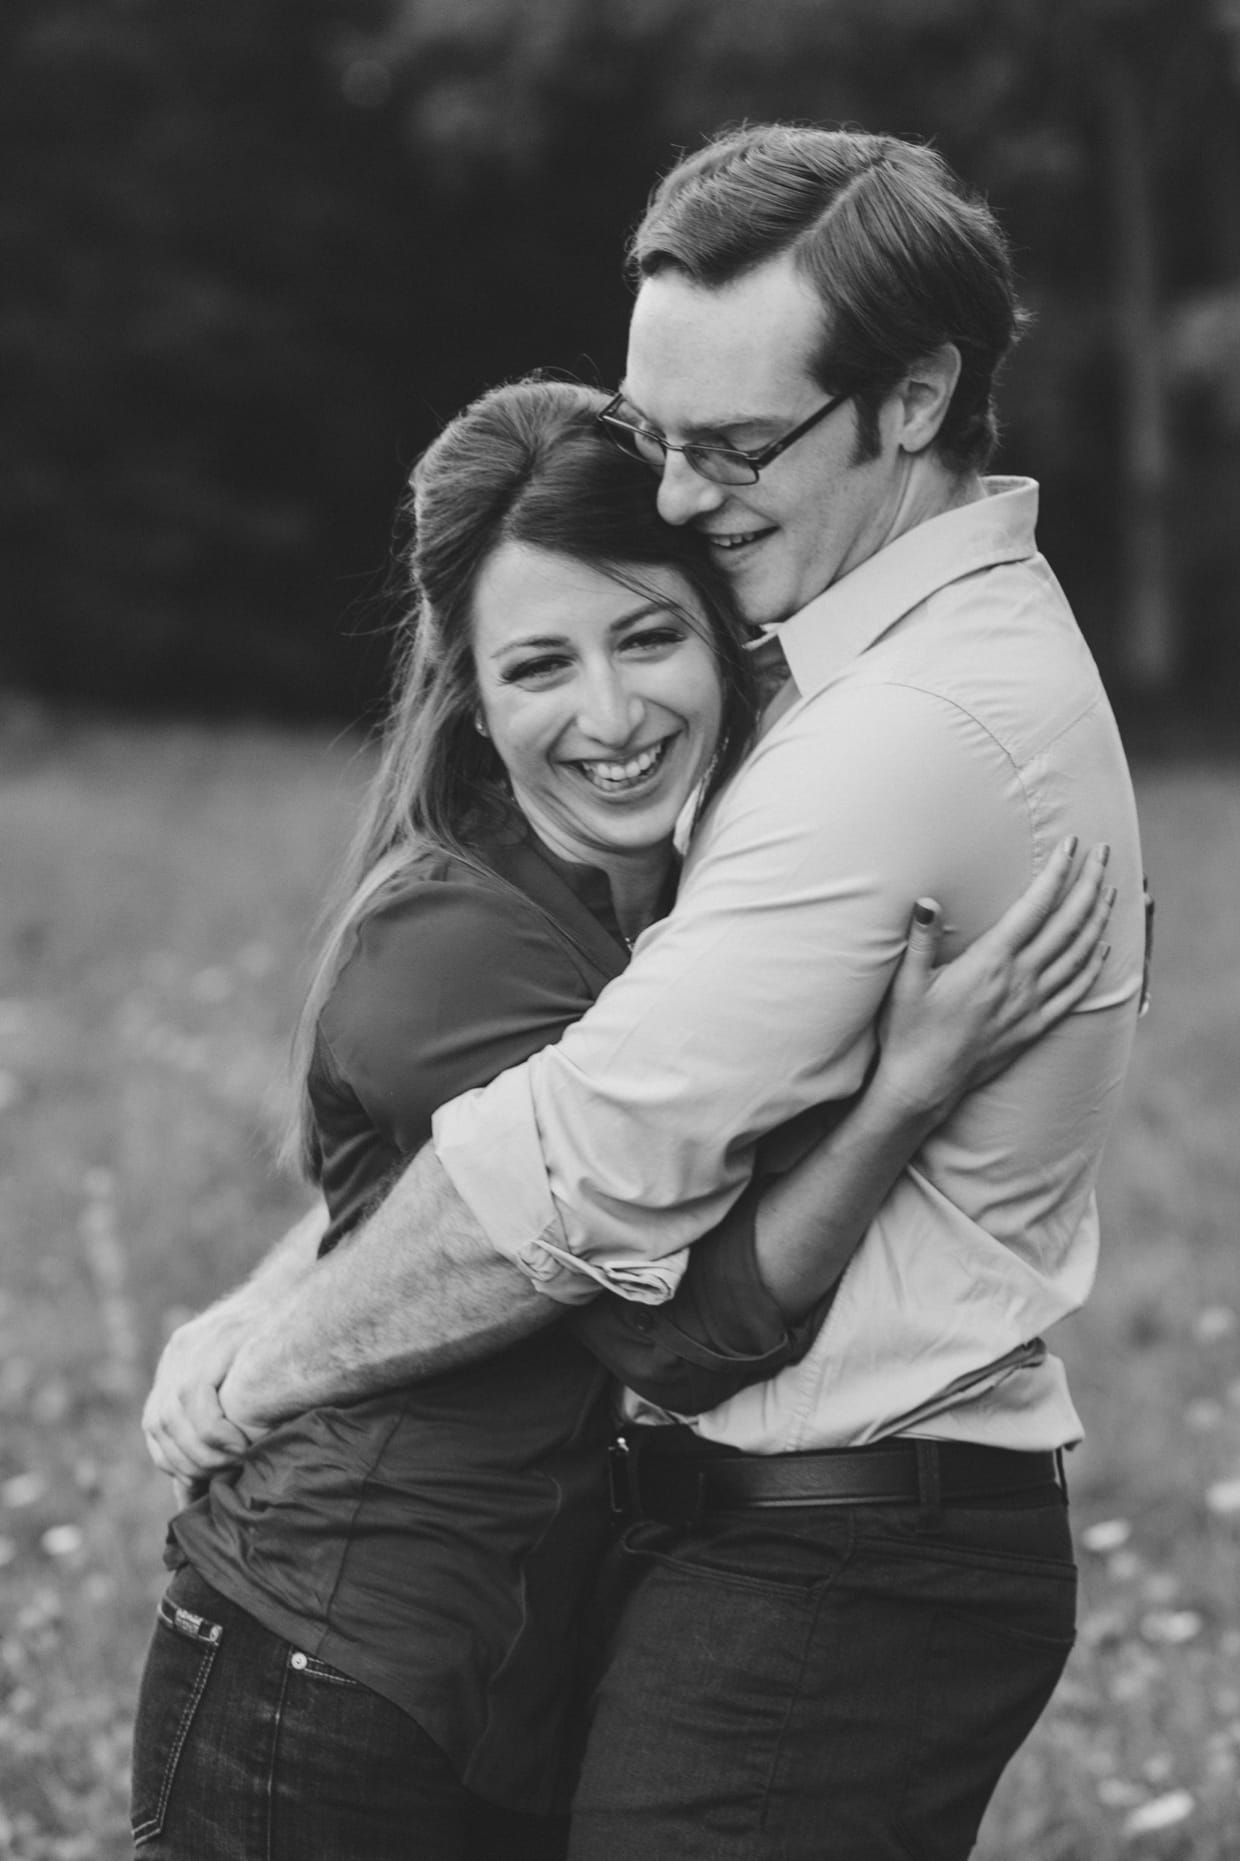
<point>835,1684</point>
<point>247,1750</point>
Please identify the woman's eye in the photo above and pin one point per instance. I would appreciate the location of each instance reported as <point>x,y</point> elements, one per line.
<point>652,639</point>
<point>534,671</point>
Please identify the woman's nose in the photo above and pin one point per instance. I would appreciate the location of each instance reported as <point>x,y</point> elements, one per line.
<point>610,711</point>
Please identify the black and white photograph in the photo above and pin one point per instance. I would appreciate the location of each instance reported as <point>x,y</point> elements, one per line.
<point>619,901</point>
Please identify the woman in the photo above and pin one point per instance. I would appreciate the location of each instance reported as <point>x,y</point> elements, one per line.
<point>368,1645</point>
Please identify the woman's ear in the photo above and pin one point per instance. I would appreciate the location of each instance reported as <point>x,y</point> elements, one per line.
<point>924,397</point>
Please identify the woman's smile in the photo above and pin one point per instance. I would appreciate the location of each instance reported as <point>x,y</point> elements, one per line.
<point>635,774</point>
<point>601,696</point>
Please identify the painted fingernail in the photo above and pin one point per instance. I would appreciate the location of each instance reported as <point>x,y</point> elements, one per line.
<point>1071,844</point>
<point>922,913</point>
<point>1111,894</point>
<point>1104,853</point>
<point>1105,951</point>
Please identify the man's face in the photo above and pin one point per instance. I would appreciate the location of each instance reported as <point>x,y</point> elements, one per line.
<point>732,366</point>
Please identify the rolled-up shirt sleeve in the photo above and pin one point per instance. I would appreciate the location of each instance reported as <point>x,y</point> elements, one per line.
<point>605,1156</point>
<point>721,1332</point>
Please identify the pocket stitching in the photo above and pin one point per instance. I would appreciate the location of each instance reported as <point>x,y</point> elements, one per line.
<point>1018,1563</point>
<point>315,1669</point>
<point>143,1831</point>
<point>683,1562</point>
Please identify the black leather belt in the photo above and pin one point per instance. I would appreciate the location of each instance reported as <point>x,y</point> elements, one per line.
<point>657,1481</point>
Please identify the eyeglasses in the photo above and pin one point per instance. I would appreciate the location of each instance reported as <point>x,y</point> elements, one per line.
<point>723,465</point>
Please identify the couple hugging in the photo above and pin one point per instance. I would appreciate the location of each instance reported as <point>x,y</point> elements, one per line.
<point>651,1420</point>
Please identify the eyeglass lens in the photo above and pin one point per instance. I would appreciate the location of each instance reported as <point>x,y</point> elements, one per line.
<point>712,462</point>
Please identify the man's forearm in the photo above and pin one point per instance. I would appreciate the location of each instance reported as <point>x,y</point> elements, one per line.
<point>420,1289</point>
<point>294,1255</point>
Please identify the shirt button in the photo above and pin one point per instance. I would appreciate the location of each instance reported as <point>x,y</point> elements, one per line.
<point>643,1318</point>
<point>298,1661</point>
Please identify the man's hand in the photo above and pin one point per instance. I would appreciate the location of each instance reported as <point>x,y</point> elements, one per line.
<point>187,1432</point>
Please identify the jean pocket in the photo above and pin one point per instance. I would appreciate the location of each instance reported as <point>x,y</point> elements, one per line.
<point>981,1689</point>
<point>178,1667</point>
<point>793,1555</point>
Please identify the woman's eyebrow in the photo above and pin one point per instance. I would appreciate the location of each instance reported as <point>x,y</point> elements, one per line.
<point>528,640</point>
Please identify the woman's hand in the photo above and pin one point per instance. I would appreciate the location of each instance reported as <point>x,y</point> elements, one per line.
<point>947,1028</point>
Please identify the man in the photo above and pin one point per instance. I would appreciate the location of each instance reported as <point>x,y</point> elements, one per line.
<point>851,1587</point>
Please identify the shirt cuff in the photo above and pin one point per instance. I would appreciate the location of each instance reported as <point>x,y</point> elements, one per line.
<point>489,1143</point>
<point>724,1307</point>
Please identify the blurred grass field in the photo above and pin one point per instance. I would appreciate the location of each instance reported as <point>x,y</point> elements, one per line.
<point>156,888</point>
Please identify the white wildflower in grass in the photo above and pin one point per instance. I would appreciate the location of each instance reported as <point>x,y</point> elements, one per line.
<point>1223,1498</point>
<point>1161,1812</point>
<point>1214,1322</point>
<point>1172,1626</point>
<point>24,1489</point>
<point>1106,1535</point>
<point>62,1541</point>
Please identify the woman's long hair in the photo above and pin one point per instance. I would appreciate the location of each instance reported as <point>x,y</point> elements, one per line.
<point>526,463</point>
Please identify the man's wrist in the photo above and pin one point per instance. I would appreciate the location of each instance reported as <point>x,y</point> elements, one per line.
<point>243,1400</point>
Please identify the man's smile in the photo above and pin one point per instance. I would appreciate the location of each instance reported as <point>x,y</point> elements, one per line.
<point>735,539</point>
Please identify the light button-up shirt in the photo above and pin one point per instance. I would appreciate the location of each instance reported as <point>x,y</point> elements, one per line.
<point>948,728</point>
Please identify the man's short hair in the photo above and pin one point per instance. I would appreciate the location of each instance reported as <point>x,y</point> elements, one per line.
<point>903,259</point>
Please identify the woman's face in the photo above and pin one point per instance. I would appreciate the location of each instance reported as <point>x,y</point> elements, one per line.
<point>604,705</point>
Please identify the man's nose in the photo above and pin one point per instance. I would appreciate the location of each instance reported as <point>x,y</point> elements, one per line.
<point>684,494</point>
<point>610,711</point>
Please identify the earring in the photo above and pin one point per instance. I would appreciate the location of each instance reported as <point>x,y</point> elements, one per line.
<point>479,726</point>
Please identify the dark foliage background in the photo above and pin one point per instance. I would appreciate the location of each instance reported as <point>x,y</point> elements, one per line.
<point>254,251</point>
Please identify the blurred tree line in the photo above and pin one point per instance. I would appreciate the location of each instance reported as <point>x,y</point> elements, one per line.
<point>255,251</point>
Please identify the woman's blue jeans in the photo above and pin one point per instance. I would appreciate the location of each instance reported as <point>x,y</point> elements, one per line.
<point>246,1749</point>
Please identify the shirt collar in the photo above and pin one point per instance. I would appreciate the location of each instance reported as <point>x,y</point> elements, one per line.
<point>847,618</point>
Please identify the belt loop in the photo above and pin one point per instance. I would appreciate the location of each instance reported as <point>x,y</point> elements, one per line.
<point>929,1483</point>
<point>622,1479</point>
